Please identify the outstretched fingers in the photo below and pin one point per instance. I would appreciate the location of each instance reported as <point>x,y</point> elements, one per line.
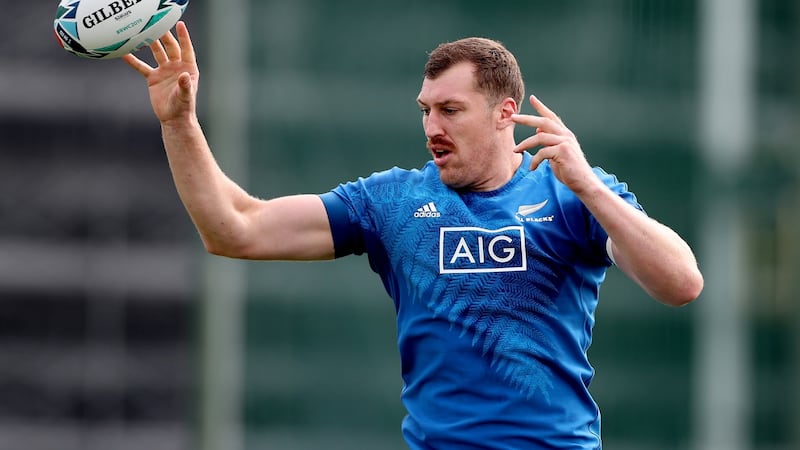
<point>159,54</point>
<point>539,140</point>
<point>140,66</point>
<point>552,135</point>
<point>171,46</point>
<point>543,110</point>
<point>543,154</point>
<point>166,49</point>
<point>185,42</point>
<point>179,49</point>
<point>540,123</point>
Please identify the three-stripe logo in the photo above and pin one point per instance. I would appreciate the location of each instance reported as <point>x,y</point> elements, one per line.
<point>427,210</point>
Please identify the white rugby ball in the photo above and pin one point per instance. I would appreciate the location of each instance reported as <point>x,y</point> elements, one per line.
<point>103,29</point>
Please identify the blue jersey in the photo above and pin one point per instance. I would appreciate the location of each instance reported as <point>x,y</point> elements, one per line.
<point>495,295</point>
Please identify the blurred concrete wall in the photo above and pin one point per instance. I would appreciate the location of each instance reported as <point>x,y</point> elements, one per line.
<point>96,256</point>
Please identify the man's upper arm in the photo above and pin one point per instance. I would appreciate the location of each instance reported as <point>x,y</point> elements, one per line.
<point>294,227</point>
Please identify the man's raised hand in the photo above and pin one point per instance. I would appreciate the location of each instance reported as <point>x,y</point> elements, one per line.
<point>173,82</point>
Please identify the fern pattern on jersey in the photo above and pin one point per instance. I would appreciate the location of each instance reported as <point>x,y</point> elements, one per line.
<point>503,313</point>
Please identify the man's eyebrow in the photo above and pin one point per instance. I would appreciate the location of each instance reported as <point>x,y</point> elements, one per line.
<point>448,102</point>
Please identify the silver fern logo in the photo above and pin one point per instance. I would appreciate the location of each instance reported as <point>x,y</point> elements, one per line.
<point>526,210</point>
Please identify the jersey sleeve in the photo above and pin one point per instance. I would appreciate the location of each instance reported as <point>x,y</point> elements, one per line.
<point>598,235</point>
<point>357,211</point>
<point>348,238</point>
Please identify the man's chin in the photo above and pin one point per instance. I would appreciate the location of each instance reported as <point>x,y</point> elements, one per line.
<point>451,182</point>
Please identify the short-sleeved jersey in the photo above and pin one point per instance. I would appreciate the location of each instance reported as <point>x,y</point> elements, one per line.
<point>495,294</point>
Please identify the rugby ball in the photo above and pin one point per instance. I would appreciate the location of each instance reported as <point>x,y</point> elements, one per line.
<point>103,29</point>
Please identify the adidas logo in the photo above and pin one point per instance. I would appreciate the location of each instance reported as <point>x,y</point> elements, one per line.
<point>427,210</point>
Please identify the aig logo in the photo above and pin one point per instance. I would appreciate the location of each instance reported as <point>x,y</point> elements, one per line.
<point>475,250</point>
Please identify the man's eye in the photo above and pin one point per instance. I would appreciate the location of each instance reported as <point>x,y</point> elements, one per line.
<point>425,111</point>
<point>449,111</point>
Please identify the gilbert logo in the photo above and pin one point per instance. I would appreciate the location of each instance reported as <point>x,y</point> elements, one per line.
<point>476,250</point>
<point>107,12</point>
<point>427,211</point>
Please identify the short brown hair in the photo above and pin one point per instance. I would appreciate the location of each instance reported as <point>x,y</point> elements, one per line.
<point>497,73</point>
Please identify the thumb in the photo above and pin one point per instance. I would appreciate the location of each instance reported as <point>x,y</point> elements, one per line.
<point>185,86</point>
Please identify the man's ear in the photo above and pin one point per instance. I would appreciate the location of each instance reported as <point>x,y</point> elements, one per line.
<point>507,108</point>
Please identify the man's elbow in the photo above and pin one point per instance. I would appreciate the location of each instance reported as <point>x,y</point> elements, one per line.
<point>227,249</point>
<point>685,291</point>
<point>214,249</point>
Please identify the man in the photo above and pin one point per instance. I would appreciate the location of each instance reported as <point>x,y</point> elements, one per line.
<point>493,256</point>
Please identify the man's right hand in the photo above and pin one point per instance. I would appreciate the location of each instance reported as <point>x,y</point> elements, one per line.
<point>173,83</point>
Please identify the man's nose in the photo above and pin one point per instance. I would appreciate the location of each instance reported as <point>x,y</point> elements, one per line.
<point>432,125</point>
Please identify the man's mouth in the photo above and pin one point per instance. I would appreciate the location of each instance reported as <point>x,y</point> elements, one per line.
<point>440,149</point>
<point>440,156</point>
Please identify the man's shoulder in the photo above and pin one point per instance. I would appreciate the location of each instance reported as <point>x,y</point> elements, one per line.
<point>390,187</point>
<point>397,175</point>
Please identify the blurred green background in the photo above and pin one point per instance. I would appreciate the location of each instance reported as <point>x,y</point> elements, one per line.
<point>116,331</point>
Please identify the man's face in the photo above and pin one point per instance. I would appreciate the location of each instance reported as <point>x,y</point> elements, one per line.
<point>461,128</point>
